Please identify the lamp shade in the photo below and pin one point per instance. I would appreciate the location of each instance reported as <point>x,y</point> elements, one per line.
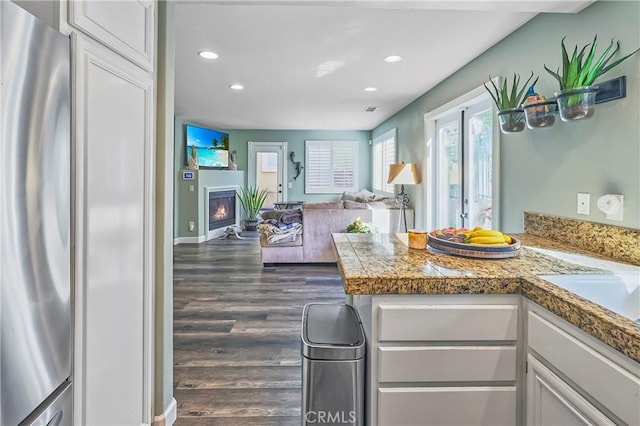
<point>403,174</point>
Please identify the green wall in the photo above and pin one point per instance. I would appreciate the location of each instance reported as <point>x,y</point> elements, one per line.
<point>542,170</point>
<point>295,139</point>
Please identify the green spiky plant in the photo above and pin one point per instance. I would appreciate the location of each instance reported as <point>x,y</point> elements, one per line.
<point>509,99</point>
<point>580,71</point>
<point>252,199</point>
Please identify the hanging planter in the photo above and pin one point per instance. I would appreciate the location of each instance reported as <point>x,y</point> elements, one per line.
<point>541,114</point>
<point>511,120</point>
<point>577,95</point>
<point>578,103</point>
<point>508,102</point>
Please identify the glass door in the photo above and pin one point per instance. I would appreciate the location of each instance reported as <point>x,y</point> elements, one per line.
<point>464,166</point>
<point>267,170</point>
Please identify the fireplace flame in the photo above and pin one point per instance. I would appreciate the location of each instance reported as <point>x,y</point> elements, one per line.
<point>221,213</point>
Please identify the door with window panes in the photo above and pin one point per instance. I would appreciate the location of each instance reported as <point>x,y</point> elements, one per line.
<point>464,166</point>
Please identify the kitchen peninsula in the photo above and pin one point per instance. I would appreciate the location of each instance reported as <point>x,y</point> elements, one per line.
<point>453,340</point>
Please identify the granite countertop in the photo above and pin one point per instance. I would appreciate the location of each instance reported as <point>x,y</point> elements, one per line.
<point>377,264</point>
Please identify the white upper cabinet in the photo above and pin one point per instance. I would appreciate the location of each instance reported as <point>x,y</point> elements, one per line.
<point>128,27</point>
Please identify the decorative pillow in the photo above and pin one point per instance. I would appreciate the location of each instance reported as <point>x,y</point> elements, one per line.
<point>375,205</point>
<point>354,205</point>
<point>349,196</point>
<point>361,196</point>
<point>328,205</point>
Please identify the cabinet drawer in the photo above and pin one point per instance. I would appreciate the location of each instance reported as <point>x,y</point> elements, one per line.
<point>447,406</point>
<point>446,364</point>
<point>611,385</point>
<point>448,322</point>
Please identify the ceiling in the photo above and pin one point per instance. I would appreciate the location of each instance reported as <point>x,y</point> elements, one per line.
<point>305,64</point>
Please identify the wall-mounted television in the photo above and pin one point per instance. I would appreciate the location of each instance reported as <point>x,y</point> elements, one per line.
<point>212,147</point>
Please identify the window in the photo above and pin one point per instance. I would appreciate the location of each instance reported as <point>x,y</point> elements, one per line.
<point>384,154</point>
<point>331,167</point>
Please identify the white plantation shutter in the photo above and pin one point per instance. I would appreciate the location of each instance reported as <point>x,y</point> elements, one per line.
<point>331,167</point>
<point>384,154</point>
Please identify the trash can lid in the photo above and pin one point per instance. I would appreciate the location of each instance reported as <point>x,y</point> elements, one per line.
<point>331,332</point>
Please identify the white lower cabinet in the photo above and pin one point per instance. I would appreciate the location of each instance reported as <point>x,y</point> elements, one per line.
<point>441,359</point>
<point>552,402</point>
<point>460,360</point>
<point>572,378</point>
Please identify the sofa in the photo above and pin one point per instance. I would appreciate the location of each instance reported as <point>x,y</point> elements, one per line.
<point>319,221</point>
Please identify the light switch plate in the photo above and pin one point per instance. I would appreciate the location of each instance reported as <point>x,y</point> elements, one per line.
<point>583,203</point>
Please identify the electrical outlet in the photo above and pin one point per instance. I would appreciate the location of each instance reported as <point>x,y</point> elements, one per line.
<point>290,185</point>
<point>192,226</point>
<point>191,188</point>
<point>583,203</point>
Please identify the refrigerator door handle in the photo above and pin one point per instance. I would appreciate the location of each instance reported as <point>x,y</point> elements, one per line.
<point>56,420</point>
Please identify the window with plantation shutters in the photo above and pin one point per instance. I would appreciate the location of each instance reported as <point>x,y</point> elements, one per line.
<point>331,167</point>
<point>384,154</point>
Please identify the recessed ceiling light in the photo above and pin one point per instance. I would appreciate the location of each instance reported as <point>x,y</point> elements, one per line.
<point>207,54</point>
<point>236,86</point>
<point>393,58</point>
<point>370,89</point>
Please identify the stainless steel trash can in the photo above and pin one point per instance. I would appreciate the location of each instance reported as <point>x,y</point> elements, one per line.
<point>333,356</point>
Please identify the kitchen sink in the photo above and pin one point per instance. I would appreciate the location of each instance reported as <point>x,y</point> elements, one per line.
<point>618,292</point>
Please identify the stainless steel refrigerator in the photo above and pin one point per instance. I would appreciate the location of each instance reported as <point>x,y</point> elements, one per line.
<point>35,193</point>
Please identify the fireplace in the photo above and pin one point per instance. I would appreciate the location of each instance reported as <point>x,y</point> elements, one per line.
<point>222,209</point>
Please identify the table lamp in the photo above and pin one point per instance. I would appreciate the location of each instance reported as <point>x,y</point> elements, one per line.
<point>403,174</point>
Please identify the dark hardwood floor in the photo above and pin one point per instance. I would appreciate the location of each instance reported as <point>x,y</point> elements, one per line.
<point>237,333</point>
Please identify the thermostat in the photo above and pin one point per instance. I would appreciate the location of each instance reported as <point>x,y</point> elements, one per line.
<point>187,176</point>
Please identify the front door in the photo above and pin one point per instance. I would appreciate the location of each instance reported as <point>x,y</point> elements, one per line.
<point>267,170</point>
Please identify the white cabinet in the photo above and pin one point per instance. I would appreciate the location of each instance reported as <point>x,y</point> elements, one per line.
<point>469,405</point>
<point>114,127</point>
<point>585,369</point>
<point>126,26</point>
<point>428,356</point>
<point>439,322</point>
<point>552,402</point>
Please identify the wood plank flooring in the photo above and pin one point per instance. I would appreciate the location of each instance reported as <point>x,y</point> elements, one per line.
<point>237,333</point>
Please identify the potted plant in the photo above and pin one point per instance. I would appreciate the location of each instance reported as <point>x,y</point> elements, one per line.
<point>576,98</point>
<point>252,199</point>
<point>359,227</point>
<point>508,103</point>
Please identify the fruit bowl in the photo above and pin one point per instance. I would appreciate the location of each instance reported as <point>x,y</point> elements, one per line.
<point>456,246</point>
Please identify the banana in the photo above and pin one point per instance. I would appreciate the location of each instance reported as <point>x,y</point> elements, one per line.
<point>490,245</point>
<point>507,239</point>
<point>485,233</point>
<point>486,240</point>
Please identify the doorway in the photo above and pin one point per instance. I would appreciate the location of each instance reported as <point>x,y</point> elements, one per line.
<point>465,157</point>
<point>267,170</point>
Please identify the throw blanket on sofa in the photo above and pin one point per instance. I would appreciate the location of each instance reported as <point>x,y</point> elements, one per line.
<point>283,216</point>
<point>276,235</point>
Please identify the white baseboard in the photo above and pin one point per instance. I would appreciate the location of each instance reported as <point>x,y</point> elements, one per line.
<point>189,240</point>
<point>169,416</point>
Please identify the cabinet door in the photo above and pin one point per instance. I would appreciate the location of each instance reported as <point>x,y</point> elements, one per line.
<point>126,26</point>
<point>552,402</point>
<point>114,240</point>
<point>616,388</point>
